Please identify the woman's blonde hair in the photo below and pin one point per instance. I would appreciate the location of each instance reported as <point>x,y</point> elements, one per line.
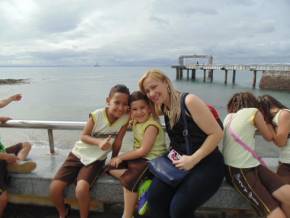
<point>173,111</point>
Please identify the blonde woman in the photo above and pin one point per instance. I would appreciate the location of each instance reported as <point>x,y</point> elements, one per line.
<point>205,163</point>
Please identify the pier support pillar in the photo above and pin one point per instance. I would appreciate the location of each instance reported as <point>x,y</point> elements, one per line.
<point>210,75</point>
<point>226,77</point>
<point>204,75</point>
<point>254,79</point>
<point>193,76</point>
<point>179,73</point>
<point>187,74</point>
<point>234,77</point>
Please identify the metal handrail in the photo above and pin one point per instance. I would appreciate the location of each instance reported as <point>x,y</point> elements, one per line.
<point>49,125</point>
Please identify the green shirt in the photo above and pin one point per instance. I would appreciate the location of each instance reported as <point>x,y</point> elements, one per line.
<point>159,146</point>
<point>243,124</point>
<point>2,147</point>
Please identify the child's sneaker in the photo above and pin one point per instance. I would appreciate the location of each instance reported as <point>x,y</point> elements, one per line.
<point>21,167</point>
<point>143,196</point>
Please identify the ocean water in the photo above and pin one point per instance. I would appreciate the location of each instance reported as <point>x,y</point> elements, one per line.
<point>70,93</point>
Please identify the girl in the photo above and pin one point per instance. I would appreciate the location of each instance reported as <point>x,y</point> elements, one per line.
<point>205,163</point>
<point>86,161</point>
<point>278,116</point>
<point>149,143</point>
<point>265,190</point>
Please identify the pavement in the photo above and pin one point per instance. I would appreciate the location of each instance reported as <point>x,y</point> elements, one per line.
<point>112,211</point>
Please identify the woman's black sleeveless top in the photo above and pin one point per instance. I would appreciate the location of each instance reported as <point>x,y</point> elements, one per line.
<point>177,140</point>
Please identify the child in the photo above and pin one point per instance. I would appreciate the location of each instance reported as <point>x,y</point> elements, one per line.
<point>278,116</point>
<point>86,161</point>
<point>11,158</point>
<point>265,190</point>
<point>149,143</point>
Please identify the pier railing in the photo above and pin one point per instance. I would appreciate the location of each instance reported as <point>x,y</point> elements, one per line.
<point>49,126</point>
<point>280,68</point>
<point>242,67</point>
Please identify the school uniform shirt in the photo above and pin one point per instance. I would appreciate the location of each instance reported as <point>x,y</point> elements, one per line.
<point>243,124</point>
<point>284,152</point>
<point>159,146</point>
<point>88,153</point>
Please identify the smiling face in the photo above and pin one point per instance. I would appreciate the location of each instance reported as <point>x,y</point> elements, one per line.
<point>117,105</point>
<point>156,90</point>
<point>140,111</point>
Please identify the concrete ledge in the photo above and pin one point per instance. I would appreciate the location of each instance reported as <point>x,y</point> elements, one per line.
<point>106,190</point>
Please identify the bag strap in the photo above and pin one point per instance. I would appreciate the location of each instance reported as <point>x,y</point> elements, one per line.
<point>185,126</point>
<point>247,147</point>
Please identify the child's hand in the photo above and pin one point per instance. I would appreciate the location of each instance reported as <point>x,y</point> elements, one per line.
<point>16,97</point>
<point>10,158</point>
<point>4,119</point>
<point>106,144</point>
<point>115,162</point>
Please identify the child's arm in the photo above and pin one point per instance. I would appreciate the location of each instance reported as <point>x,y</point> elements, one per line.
<point>118,140</point>
<point>4,119</point>
<point>86,137</point>
<point>147,144</point>
<point>283,129</point>
<point>8,100</point>
<point>8,157</point>
<point>262,127</point>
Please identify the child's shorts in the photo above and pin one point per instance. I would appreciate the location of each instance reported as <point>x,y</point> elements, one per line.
<point>74,170</point>
<point>284,171</point>
<point>257,185</point>
<point>14,149</point>
<point>137,170</point>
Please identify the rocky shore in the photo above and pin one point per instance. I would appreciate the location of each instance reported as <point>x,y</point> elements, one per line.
<point>13,81</point>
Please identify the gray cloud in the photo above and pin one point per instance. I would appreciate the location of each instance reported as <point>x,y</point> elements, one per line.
<point>128,32</point>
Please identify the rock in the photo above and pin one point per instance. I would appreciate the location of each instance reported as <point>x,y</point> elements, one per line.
<point>275,80</point>
<point>13,81</point>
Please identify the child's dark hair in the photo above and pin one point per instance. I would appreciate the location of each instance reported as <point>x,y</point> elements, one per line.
<point>119,88</point>
<point>242,100</point>
<point>266,102</point>
<point>138,95</point>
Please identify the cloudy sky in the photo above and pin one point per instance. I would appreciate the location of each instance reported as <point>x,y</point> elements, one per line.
<point>138,32</point>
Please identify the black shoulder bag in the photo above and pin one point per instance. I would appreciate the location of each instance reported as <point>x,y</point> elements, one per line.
<point>162,167</point>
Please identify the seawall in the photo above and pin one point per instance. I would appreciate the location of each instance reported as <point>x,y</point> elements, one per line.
<point>275,80</point>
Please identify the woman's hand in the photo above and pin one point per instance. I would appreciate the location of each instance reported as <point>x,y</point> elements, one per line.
<point>115,162</point>
<point>185,162</point>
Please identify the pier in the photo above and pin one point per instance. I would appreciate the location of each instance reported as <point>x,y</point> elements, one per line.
<point>209,68</point>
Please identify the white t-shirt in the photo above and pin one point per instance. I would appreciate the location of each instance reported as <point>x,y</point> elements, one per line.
<point>242,123</point>
<point>88,153</point>
<point>284,152</point>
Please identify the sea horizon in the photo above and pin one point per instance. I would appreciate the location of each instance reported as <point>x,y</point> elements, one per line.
<point>71,93</point>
